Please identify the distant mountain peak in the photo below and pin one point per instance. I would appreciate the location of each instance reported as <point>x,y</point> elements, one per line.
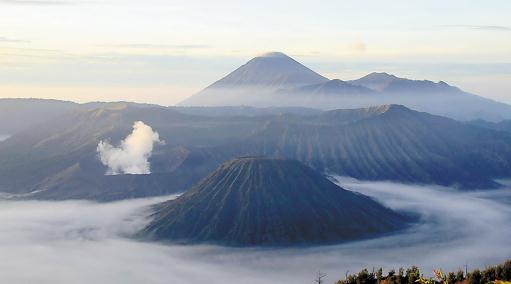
<point>388,107</point>
<point>274,79</point>
<point>377,109</point>
<point>351,115</point>
<point>274,54</point>
<point>253,80</point>
<point>395,108</point>
<point>442,83</point>
<point>380,75</point>
<point>376,81</point>
<point>270,70</point>
<point>336,81</point>
<point>332,88</point>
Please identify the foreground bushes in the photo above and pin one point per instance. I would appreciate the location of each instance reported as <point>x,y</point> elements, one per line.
<point>493,274</point>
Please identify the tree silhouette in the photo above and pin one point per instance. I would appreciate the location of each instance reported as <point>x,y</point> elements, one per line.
<point>319,277</point>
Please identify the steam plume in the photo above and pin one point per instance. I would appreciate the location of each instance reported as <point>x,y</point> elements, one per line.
<point>131,157</point>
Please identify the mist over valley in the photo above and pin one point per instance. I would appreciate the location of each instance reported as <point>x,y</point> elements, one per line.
<point>91,242</point>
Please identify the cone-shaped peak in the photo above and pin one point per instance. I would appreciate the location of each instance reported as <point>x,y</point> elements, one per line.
<point>274,54</point>
<point>258,201</point>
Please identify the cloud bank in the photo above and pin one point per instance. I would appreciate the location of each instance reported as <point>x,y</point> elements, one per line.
<point>11,40</point>
<point>131,157</point>
<point>86,242</point>
<point>480,27</point>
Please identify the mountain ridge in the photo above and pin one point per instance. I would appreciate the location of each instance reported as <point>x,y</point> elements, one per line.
<point>376,88</point>
<point>389,142</point>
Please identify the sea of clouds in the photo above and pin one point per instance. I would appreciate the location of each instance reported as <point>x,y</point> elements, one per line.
<point>87,242</point>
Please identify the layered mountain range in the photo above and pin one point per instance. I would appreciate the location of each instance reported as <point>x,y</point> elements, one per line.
<point>58,159</point>
<point>275,79</point>
<point>259,201</point>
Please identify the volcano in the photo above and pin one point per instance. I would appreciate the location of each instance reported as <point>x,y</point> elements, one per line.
<point>255,82</point>
<point>259,201</point>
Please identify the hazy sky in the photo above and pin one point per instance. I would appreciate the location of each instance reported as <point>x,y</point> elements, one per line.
<point>163,51</point>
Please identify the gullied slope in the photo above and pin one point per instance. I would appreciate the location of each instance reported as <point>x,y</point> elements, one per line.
<point>387,143</point>
<point>58,159</point>
<point>266,201</point>
<point>504,125</point>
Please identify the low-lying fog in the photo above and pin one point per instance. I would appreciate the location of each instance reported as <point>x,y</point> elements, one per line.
<point>85,242</point>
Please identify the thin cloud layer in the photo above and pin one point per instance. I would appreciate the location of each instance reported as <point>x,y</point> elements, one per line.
<point>11,40</point>
<point>480,27</point>
<point>48,2</point>
<point>36,2</point>
<point>161,46</point>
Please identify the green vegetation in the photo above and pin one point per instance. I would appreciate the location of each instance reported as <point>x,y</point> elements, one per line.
<point>498,274</point>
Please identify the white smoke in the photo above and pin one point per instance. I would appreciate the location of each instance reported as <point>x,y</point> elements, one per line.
<point>131,157</point>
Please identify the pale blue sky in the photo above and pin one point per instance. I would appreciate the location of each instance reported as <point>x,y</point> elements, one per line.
<point>163,51</point>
